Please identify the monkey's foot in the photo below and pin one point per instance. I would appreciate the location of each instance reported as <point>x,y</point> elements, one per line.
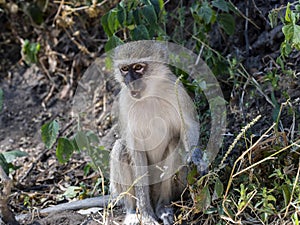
<point>166,215</point>
<point>135,219</point>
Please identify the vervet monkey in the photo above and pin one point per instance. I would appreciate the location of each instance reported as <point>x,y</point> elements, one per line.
<point>157,122</point>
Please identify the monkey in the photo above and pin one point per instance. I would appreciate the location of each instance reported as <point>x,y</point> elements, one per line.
<point>158,126</point>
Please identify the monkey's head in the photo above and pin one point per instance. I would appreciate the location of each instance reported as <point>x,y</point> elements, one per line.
<point>136,63</point>
<point>132,75</point>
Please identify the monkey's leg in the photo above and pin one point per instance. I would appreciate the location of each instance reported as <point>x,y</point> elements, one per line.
<point>142,188</point>
<point>162,202</point>
<point>121,177</point>
<point>162,192</point>
<point>171,185</point>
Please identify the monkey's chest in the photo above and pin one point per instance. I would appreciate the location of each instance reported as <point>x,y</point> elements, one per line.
<point>153,124</point>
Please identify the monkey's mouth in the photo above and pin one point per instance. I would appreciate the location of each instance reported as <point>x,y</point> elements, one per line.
<point>136,93</point>
<point>136,88</point>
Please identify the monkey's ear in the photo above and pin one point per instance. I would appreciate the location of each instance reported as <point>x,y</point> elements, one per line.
<point>198,160</point>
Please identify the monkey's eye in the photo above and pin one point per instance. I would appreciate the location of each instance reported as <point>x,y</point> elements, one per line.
<point>138,67</point>
<point>124,68</point>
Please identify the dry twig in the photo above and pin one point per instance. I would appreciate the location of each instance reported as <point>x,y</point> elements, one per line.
<point>7,215</point>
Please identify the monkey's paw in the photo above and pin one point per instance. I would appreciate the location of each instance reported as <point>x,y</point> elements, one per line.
<point>198,159</point>
<point>166,215</point>
<point>134,219</point>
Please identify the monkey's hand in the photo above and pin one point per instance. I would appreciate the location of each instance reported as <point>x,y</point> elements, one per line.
<point>198,160</point>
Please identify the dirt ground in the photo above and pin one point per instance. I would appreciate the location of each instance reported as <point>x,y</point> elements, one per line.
<point>34,95</point>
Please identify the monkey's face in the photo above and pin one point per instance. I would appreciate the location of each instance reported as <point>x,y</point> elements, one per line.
<point>132,76</point>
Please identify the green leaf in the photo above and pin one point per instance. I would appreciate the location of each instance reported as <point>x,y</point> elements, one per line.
<point>285,48</point>
<point>191,177</point>
<point>92,137</point>
<point>296,37</point>
<point>288,13</point>
<point>112,42</point>
<point>110,22</point>
<point>136,16</point>
<point>113,22</point>
<point>280,62</point>
<point>205,13</point>
<point>4,164</point>
<point>221,5</point>
<point>50,133</point>
<point>72,191</point>
<point>295,218</point>
<point>129,19</point>
<point>218,189</point>
<point>30,51</point>
<point>286,194</point>
<point>273,17</point>
<point>64,150</point>
<point>10,156</point>
<point>227,22</point>
<point>149,14</point>
<point>104,22</point>
<point>75,146</point>
<point>158,5</point>
<point>288,31</point>
<point>1,99</point>
<point>100,157</point>
<point>86,169</point>
<point>203,199</point>
<point>121,14</point>
<point>271,198</point>
<point>82,141</point>
<point>288,49</point>
<point>140,33</point>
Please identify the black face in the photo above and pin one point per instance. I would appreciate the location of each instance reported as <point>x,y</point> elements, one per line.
<point>132,75</point>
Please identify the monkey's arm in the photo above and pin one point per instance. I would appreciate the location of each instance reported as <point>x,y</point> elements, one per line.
<point>190,137</point>
<point>198,159</point>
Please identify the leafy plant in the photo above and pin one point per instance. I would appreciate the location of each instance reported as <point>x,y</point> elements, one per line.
<point>147,19</point>
<point>30,51</point>
<point>290,29</point>
<point>50,133</point>
<point>205,14</point>
<point>7,158</point>
<point>72,192</point>
<point>80,141</point>
<point>134,20</point>
<point>64,149</point>
<point>206,193</point>
<point>266,204</point>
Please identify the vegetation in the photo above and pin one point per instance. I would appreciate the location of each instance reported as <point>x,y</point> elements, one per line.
<point>255,179</point>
